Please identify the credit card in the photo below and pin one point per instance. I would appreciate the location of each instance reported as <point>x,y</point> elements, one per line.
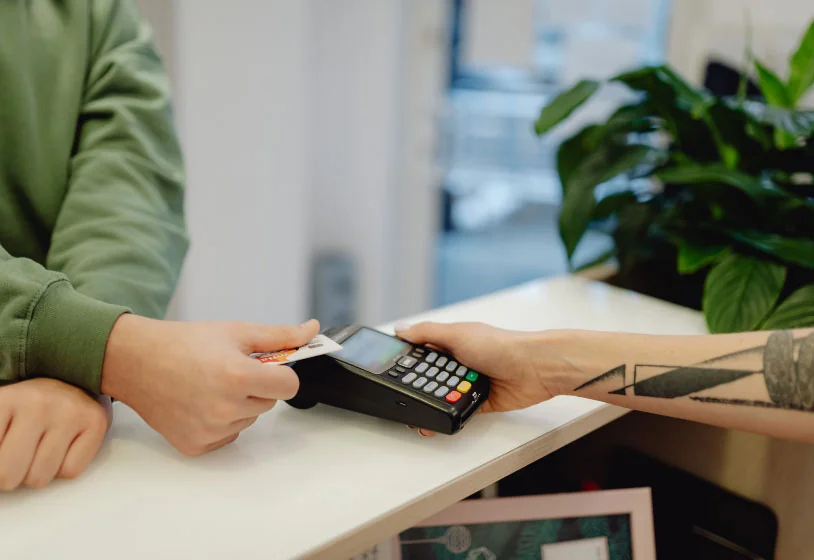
<point>320,345</point>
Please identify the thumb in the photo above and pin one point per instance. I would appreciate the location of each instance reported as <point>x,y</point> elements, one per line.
<point>444,335</point>
<point>262,338</point>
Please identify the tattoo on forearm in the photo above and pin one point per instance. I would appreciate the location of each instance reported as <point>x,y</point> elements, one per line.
<point>618,371</point>
<point>786,364</point>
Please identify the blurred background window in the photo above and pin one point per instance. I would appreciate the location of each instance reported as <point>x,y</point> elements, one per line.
<point>500,187</point>
<point>365,160</point>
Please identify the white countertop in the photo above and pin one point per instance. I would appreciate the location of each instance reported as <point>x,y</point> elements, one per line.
<point>320,483</point>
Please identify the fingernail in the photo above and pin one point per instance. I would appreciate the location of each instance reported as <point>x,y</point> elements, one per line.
<point>423,433</point>
<point>308,322</point>
<point>401,327</point>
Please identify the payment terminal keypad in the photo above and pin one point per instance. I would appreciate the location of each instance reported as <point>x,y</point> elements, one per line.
<point>407,361</point>
<point>434,375</point>
<point>386,377</point>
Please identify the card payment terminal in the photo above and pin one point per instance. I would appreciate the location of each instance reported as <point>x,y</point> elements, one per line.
<point>383,376</point>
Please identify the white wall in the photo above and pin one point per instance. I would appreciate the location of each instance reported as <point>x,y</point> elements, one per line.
<point>308,126</point>
<point>424,56</point>
<point>240,85</point>
<point>701,28</point>
<point>378,69</point>
<point>354,120</point>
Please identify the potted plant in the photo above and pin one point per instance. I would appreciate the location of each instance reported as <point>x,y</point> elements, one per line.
<point>709,200</point>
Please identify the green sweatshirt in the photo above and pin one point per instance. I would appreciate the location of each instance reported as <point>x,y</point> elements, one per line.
<point>91,184</point>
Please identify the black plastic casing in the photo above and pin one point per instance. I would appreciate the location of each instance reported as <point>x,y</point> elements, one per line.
<point>329,380</point>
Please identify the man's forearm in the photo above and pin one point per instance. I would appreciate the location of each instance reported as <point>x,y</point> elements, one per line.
<point>760,382</point>
<point>121,236</point>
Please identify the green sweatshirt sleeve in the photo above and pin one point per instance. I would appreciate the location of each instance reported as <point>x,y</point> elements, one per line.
<point>48,329</point>
<point>119,239</point>
<point>120,236</point>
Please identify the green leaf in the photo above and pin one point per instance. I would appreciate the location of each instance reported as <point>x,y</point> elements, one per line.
<point>612,203</point>
<point>801,76</point>
<point>601,165</point>
<point>684,108</point>
<point>729,155</point>
<point>795,312</point>
<point>638,118</point>
<point>731,121</point>
<point>784,140</point>
<point>573,152</point>
<point>740,292</point>
<point>692,258</point>
<point>777,95</point>
<point>759,134</point>
<point>673,100</point>
<point>701,109</point>
<point>772,87</point>
<point>604,257</point>
<point>663,86</point>
<point>563,105</point>
<point>633,237</point>
<point>793,250</point>
<point>798,123</point>
<point>759,191</point>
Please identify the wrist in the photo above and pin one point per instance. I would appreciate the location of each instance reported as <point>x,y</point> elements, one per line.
<point>122,356</point>
<point>572,357</point>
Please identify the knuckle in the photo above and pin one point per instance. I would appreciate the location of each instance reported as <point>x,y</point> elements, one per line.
<point>191,450</point>
<point>223,412</point>
<point>236,376</point>
<point>97,421</point>
<point>208,434</point>
<point>70,471</point>
<point>189,442</point>
<point>7,482</point>
<point>283,336</point>
<point>198,436</point>
<point>185,445</point>
<point>40,405</point>
<point>36,481</point>
<point>223,442</point>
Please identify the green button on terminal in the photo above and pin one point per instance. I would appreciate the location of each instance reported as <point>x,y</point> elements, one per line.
<point>472,376</point>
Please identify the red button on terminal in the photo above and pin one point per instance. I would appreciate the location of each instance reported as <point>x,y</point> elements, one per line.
<point>453,397</point>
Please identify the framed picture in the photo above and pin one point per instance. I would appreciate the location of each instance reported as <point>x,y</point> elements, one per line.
<point>601,525</point>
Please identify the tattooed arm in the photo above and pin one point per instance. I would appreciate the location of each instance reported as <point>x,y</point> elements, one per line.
<point>760,382</point>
